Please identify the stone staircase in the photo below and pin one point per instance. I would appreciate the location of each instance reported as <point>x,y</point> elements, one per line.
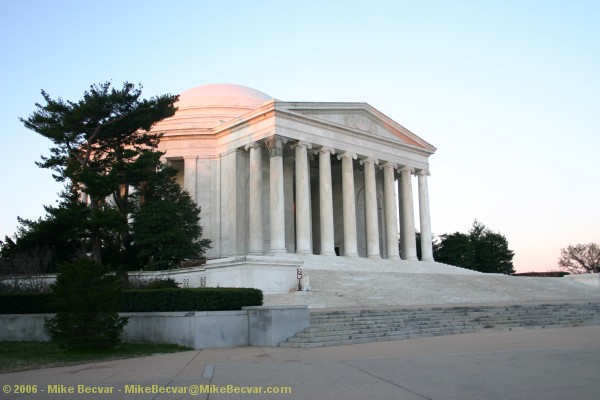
<point>400,288</point>
<point>333,328</point>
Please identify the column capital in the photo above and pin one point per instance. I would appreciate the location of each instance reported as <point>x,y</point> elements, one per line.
<point>253,145</point>
<point>275,145</point>
<point>370,160</point>
<point>302,143</point>
<point>324,149</point>
<point>346,154</point>
<point>388,164</point>
<point>422,172</point>
<point>406,169</point>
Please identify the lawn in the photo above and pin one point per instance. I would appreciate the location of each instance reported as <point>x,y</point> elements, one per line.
<point>20,356</point>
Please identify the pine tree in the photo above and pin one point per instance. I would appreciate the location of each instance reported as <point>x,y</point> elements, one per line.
<point>480,249</point>
<point>96,142</point>
<point>87,302</point>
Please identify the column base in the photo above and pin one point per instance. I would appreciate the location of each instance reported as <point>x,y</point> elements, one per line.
<point>277,251</point>
<point>428,259</point>
<point>411,259</point>
<point>329,253</point>
<point>393,258</point>
<point>304,252</point>
<point>374,257</point>
<point>351,255</point>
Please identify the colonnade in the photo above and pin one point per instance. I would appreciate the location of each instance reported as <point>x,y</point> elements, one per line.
<point>302,150</point>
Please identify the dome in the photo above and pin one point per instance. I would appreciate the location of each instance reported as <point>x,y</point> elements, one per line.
<point>222,95</point>
<point>205,107</point>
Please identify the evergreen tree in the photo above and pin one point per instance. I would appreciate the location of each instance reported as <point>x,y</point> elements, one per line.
<point>97,141</point>
<point>455,249</point>
<point>102,148</point>
<point>38,246</point>
<point>87,302</point>
<point>165,227</point>
<point>480,249</point>
<point>490,249</point>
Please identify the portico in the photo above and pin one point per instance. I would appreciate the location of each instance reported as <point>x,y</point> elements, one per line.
<point>368,179</point>
<point>275,178</point>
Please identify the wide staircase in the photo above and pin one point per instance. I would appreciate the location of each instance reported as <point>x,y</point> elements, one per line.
<point>399,288</point>
<point>333,328</point>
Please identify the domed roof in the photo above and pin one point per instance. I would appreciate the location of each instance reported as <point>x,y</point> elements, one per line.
<point>208,106</point>
<point>222,95</point>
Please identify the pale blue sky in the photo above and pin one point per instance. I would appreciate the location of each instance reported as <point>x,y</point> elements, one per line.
<point>508,91</point>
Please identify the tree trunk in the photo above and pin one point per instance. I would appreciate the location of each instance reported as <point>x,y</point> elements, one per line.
<point>95,231</point>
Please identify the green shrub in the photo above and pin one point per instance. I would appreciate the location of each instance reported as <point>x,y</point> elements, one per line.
<point>547,274</point>
<point>151,284</point>
<point>87,299</point>
<point>200,299</point>
<point>26,303</point>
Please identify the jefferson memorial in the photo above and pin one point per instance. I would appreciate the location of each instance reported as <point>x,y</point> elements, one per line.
<point>280,181</point>
<point>312,203</point>
<point>276,177</point>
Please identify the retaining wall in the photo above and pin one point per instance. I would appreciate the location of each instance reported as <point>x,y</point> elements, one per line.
<point>588,279</point>
<point>254,326</point>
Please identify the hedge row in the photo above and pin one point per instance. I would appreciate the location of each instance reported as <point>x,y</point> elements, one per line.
<point>548,274</point>
<point>26,303</point>
<point>200,299</point>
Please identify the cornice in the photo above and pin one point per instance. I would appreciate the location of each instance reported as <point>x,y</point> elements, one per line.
<point>350,131</point>
<point>377,116</point>
<point>226,128</point>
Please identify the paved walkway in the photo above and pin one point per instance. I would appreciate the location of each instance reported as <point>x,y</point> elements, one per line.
<point>547,364</point>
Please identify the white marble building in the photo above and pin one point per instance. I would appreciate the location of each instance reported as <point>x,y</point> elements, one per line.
<point>275,177</point>
<point>298,177</point>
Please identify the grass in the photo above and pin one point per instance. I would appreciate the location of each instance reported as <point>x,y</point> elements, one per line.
<point>20,356</point>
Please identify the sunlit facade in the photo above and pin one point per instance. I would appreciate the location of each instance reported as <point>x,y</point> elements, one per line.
<point>274,177</point>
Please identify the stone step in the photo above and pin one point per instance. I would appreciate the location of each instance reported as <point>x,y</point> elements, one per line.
<point>330,328</point>
<point>538,309</point>
<point>318,332</point>
<point>369,288</point>
<point>448,317</point>
<point>355,339</point>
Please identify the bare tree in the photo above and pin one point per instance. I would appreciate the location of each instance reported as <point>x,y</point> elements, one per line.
<point>580,259</point>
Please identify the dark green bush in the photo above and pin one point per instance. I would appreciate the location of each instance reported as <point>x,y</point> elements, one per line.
<point>152,284</point>
<point>201,299</point>
<point>547,274</point>
<point>26,303</point>
<point>87,300</point>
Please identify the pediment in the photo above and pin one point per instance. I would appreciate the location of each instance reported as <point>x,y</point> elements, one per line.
<point>367,120</point>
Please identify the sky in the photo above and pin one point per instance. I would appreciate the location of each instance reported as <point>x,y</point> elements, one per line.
<point>508,91</point>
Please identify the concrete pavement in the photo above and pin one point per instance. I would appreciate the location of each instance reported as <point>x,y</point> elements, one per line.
<point>544,364</point>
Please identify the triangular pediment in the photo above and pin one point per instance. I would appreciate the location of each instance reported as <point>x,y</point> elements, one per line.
<point>363,118</point>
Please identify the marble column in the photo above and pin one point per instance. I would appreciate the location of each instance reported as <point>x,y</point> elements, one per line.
<point>349,205</point>
<point>391,222</point>
<point>189,175</point>
<point>425,218</point>
<point>326,201</point>
<point>372,225</point>
<point>408,243</point>
<point>277,215</point>
<point>303,216</point>
<point>255,200</point>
